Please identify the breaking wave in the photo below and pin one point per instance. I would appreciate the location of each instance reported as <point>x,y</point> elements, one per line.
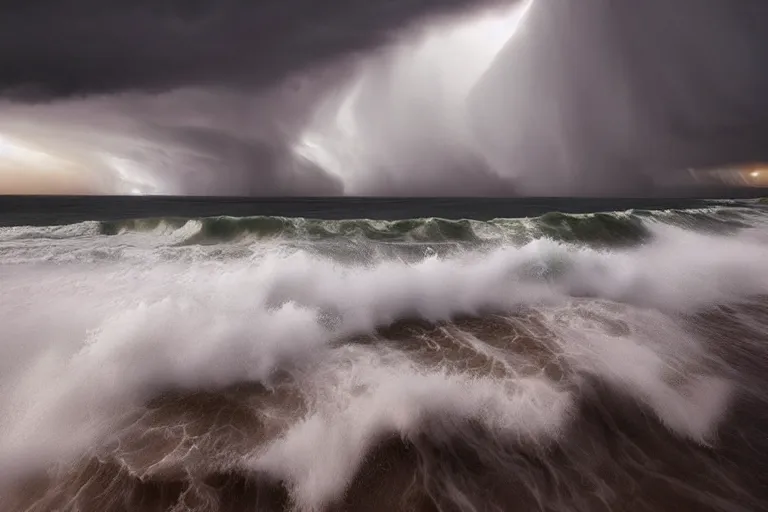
<point>626,227</point>
<point>567,362</point>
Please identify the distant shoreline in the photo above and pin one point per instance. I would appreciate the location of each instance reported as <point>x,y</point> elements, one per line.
<point>54,210</point>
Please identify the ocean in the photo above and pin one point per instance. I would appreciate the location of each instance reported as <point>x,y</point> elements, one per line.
<point>200,355</point>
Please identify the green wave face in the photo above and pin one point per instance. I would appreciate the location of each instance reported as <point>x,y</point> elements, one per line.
<point>598,229</point>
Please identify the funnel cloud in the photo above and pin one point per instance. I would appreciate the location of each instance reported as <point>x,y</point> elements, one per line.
<point>405,97</point>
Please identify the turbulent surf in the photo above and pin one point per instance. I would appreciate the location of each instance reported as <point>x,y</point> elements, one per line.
<point>607,361</point>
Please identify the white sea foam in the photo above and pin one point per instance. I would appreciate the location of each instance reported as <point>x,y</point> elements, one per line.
<point>83,344</point>
<point>81,229</point>
<point>655,361</point>
<point>355,406</point>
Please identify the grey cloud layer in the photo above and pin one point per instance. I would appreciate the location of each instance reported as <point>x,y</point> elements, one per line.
<point>65,47</point>
<point>595,97</point>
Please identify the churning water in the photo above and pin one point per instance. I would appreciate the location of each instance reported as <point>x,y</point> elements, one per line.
<point>611,361</point>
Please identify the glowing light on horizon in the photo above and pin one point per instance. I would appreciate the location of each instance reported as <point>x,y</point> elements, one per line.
<point>28,168</point>
<point>23,162</point>
<point>12,150</point>
<point>133,178</point>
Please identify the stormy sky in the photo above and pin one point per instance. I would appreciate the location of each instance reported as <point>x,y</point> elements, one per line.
<point>377,97</point>
<point>79,47</point>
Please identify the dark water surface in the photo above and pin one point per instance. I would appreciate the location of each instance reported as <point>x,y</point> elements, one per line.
<point>49,210</point>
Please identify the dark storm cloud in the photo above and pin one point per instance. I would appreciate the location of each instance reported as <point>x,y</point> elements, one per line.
<point>117,57</point>
<point>65,47</point>
<point>592,97</point>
